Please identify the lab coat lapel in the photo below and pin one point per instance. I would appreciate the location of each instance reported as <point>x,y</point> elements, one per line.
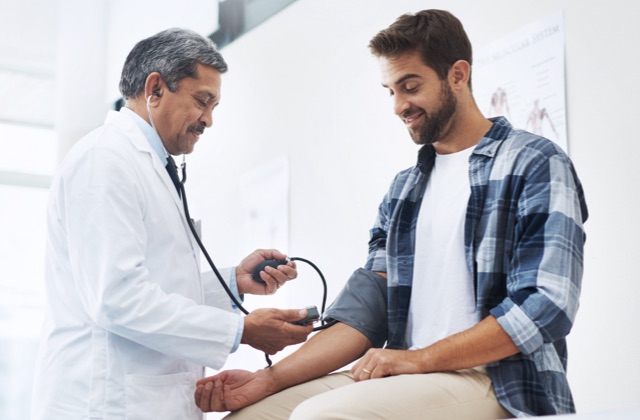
<point>137,138</point>
<point>140,142</point>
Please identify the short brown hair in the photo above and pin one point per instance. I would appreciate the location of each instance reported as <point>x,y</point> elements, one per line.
<point>436,35</point>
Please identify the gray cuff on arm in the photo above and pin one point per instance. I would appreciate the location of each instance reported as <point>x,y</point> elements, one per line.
<point>362,304</point>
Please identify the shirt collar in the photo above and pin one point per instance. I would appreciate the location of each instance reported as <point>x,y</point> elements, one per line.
<point>491,141</point>
<point>487,146</point>
<point>150,134</point>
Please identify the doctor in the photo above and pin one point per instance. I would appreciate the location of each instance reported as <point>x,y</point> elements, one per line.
<point>131,321</point>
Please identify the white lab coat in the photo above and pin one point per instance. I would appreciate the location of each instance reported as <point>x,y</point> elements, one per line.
<point>130,319</point>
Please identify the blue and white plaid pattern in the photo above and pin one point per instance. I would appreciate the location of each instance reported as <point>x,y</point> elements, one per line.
<point>524,243</point>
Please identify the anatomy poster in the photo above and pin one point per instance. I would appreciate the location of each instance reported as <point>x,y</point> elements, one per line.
<point>522,77</point>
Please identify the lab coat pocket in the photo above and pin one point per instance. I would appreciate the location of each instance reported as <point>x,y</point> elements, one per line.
<point>161,397</point>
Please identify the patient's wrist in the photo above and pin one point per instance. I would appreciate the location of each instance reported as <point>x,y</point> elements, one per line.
<point>271,381</point>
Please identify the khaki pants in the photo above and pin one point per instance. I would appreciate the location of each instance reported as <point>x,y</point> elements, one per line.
<point>466,394</point>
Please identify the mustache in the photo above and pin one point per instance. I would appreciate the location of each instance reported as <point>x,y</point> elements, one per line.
<point>198,128</point>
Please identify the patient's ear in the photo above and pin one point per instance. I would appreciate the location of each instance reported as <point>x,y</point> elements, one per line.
<point>459,74</point>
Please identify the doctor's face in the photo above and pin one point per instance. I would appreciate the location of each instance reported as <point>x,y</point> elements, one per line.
<point>181,116</point>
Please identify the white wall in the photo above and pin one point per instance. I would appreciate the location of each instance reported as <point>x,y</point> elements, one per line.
<point>303,85</point>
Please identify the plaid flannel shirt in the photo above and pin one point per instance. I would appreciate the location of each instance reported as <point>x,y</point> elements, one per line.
<point>524,242</point>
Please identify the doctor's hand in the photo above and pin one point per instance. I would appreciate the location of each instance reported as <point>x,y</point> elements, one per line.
<point>270,330</point>
<point>273,278</point>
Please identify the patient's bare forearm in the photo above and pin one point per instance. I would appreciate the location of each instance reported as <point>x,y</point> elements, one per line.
<point>324,353</point>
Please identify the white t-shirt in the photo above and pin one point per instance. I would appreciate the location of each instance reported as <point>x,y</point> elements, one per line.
<point>442,294</point>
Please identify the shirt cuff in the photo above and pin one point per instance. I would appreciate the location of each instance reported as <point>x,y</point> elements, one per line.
<point>233,285</point>
<point>238,336</point>
<point>515,322</point>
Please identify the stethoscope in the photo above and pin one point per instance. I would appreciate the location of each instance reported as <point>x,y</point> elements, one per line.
<point>235,300</point>
<point>215,269</point>
<point>223,283</point>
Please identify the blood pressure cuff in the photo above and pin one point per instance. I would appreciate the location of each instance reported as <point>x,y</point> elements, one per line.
<point>362,304</point>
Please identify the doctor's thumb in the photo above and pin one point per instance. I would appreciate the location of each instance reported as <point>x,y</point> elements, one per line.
<point>294,314</point>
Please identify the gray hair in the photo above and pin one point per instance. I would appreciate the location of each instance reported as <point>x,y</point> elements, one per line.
<point>174,53</point>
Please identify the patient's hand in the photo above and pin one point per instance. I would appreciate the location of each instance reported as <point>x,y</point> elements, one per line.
<point>231,390</point>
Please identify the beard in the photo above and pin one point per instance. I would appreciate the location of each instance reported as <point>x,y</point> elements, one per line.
<point>435,124</point>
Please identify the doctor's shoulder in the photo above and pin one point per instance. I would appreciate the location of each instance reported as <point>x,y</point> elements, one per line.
<point>102,154</point>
